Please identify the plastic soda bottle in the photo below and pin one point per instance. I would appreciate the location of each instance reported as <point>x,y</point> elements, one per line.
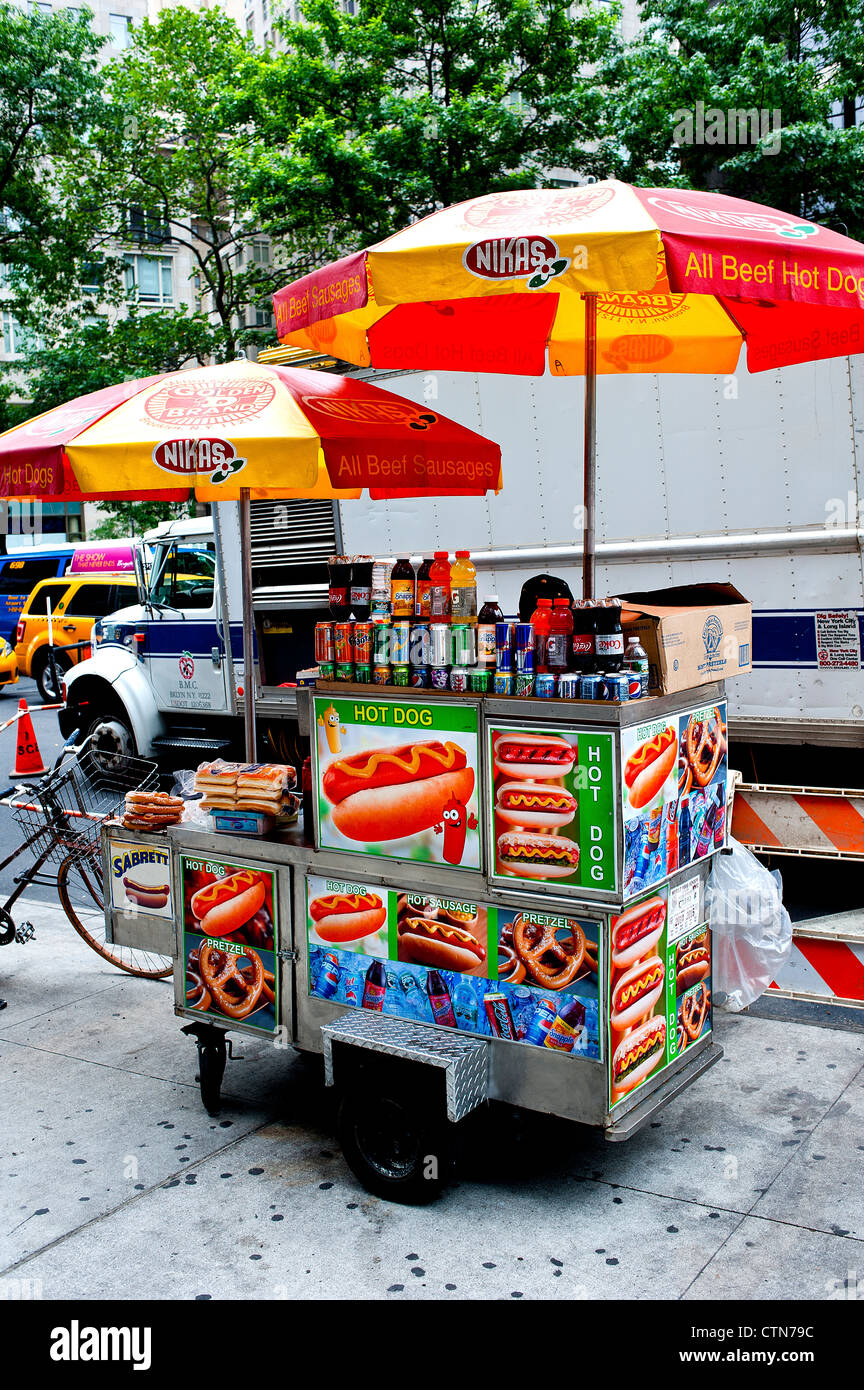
<point>560,634</point>
<point>439,600</point>
<point>490,614</point>
<point>463,588</point>
<point>541,620</point>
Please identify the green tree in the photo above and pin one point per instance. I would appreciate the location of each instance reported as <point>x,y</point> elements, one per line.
<point>134,518</point>
<point>372,120</point>
<point>795,64</point>
<point>175,161</point>
<point>50,97</point>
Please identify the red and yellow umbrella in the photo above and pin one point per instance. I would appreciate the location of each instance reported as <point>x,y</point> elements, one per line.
<point>600,279</point>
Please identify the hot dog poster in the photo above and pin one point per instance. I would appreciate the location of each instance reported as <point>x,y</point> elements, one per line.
<point>659,988</point>
<point>552,812</point>
<point>398,779</point>
<point>140,879</point>
<point>230,931</point>
<point>673,789</point>
<point>498,972</point>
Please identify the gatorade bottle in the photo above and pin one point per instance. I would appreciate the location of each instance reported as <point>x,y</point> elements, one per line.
<point>439,573</point>
<point>489,615</point>
<point>463,588</point>
<point>424,591</point>
<point>560,634</point>
<point>541,620</point>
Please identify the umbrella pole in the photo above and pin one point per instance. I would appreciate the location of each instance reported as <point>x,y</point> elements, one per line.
<point>590,445</point>
<point>248,624</point>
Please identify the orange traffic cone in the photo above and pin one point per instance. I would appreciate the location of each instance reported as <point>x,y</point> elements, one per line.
<point>28,759</point>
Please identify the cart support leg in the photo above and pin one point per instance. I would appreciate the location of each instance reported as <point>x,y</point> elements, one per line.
<point>212,1053</point>
<point>589,445</point>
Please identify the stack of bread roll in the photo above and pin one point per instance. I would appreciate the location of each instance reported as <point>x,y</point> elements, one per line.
<point>264,787</point>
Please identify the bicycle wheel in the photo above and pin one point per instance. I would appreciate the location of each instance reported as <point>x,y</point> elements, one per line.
<point>79,883</point>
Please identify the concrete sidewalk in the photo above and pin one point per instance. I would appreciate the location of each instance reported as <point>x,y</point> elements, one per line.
<point>116,1184</point>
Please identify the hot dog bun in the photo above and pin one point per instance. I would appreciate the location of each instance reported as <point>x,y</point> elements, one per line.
<point>648,767</point>
<point>538,856</point>
<point>404,809</point>
<point>636,992</point>
<point>347,916</point>
<point>692,962</point>
<point>636,932</point>
<point>226,905</point>
<point>422,941</point>
<point>533,755</point>
<point>638,1054</point>
<point>146,894</point>
<point>534,804</point>
<point>389,767</point>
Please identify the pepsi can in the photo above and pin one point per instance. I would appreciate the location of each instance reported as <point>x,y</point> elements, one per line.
<point>568,686</point>
<point>328,976</point>
<point>634,681</point>
<point>543,1018</point>
<point>420,677</point>
<point>616,685</point>
<point>544,685</point>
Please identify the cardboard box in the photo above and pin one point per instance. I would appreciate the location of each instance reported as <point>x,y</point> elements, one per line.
<point>692,634</point>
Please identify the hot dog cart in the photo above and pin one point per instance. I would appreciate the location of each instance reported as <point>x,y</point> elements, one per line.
<point>498,899</point>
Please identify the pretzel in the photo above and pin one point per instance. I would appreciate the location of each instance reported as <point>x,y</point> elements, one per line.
<point>235,992</point>
<point>533,952</point>
<point>704,745</point>
<point>685,775</point>
<point>681,1035</point>
<point>197,993</point>
<point>694,1007</point>
<point>510,967</point>
<point>156,800</point>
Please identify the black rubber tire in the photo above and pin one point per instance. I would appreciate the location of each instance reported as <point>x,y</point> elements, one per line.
<point>42,676</point>
<point>396,1142</point>
<point>7,928</point>
<point>211,1069</point>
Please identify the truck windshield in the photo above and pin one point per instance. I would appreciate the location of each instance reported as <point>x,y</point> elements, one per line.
<point>183,576</point>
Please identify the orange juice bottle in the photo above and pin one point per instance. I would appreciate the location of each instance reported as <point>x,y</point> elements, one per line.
<point>463,588</point>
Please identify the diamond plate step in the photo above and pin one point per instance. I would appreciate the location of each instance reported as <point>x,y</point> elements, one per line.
<point>465,1060</point>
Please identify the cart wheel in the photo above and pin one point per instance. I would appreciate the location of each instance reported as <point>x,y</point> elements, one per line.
<point>211,1069</point>
<point>7,928</point>
<point>398,1147</point>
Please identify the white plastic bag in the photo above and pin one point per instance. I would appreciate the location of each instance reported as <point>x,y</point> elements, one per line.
<point>751,929</point>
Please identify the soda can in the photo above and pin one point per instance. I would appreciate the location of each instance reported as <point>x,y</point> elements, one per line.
<point>344,670</point>
<point>524,683</point>
<point>329,975</point>
<point>544,1016</point>
<point>634,681</point>
<point>363,644</point>
<point>401,643</point>
<point>343,639</point>
<point>617,685</point>
<point>381,644</point>
<point>464,645</point>
<point>440,677</point>
<point>401,673</point>
<point>420,650</point>
<point>544,685</point>
<point>503,683</point>
<point>504,646</point>
<point>352,990</point>
<point>479,681</point>
<point>523,639</point>
<point>363,673</point>
<point>591,687</point>
<point>326,670</point>
<point>568,686</point>
<point>381,674</point>
<point>420,677</point>
<point>459,678</point>
<point>500,1018</point>
<point>440,645</point>
<point>325,648</point>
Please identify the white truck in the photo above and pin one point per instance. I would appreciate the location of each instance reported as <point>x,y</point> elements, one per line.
<point>751,479</point>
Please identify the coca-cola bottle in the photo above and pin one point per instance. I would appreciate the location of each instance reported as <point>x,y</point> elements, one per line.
<point>582,640</point>
<point>609,639</point>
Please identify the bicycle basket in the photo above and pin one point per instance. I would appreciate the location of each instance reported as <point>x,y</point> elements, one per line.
<point>64,814</point>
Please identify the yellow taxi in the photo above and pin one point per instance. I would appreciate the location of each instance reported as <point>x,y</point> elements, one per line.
<point>8,664</point>
<point>75,602</point>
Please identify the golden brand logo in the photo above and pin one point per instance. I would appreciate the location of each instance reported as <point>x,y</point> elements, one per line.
<point>222,400</point>
<point>553,207</point>
<point>373,412</point>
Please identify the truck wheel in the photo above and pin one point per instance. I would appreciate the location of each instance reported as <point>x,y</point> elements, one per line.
<point>112,741</point>
<point>43,676</point>
<point>397,1145</point>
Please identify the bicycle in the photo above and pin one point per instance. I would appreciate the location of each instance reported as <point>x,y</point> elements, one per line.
<point>62,816</point>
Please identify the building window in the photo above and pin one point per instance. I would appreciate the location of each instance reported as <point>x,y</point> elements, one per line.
<point>260,252</point>
<point>264,11</point>
<point>38,7</point>
<point>17,338</point>
<point>120,27</point>
<point>92,277</point>
<point>146,226</point>
<point>152,277</point>
<point>250,26</point>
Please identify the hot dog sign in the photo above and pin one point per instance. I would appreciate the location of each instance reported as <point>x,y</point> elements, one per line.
<point>398,779</point>
<point>140,879</point>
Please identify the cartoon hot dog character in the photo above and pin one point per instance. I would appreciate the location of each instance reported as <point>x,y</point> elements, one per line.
<point>535,804</point>
<point>226,905</point>
<point>635,993</point>
<point>648,767</point>
<point>638,1054</point>
<point>347,916</point>
<point>455,823</point>
<point>692,962</point>
<point>537,856</point>
<point>636,932</point>
<point>423,941</point>
<point>533,756</point>
<point>393,793</point>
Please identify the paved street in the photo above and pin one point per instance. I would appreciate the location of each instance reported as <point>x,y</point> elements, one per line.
<point>115,1180</point>
<point>50,743</point>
